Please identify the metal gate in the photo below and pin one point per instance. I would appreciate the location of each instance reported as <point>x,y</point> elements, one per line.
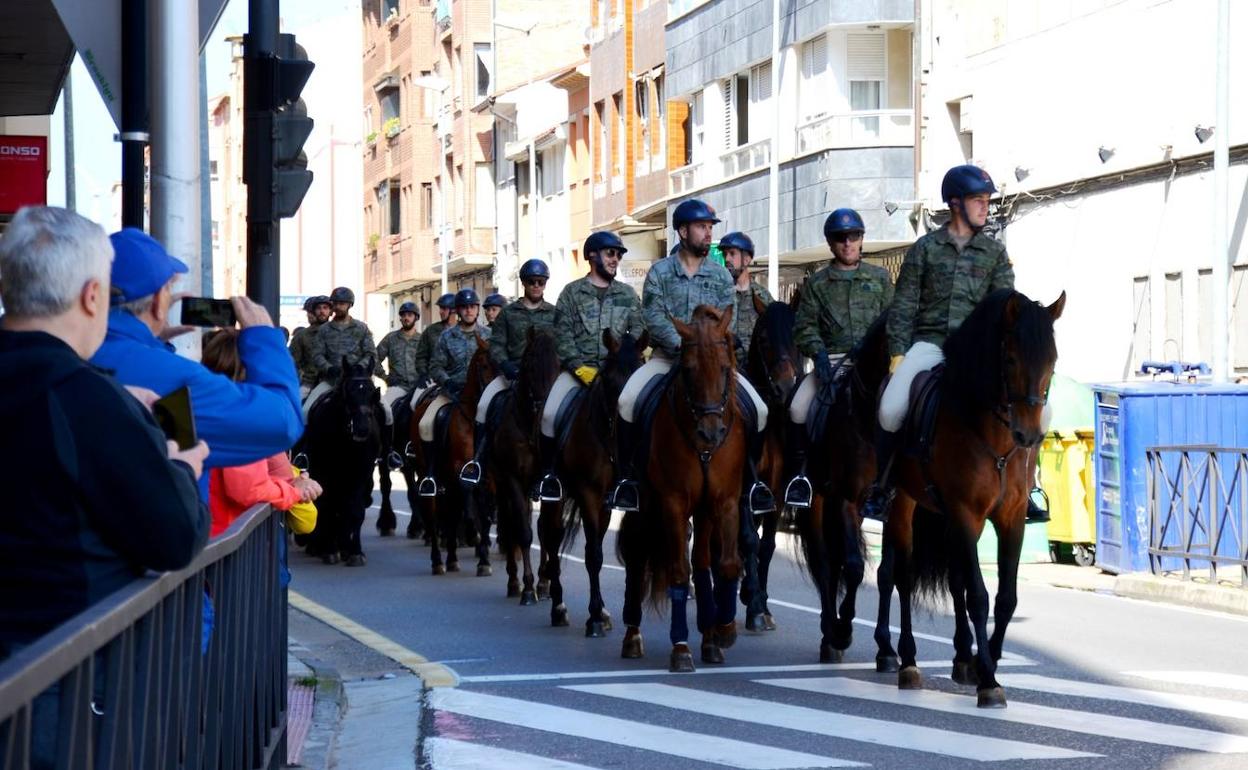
<point>1198,512</point>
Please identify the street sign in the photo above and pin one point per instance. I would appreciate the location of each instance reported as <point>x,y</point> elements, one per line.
<point>23,172</point>
<point>95,28</point>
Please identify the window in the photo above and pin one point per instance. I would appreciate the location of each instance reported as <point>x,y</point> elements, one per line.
<point>1172,343</point>
<point>389,104</point>
<point>428,97</point>
<point>760,116</point>
<point>618,135</point>
<point>641,103</point>
<point>550,170</point>
<point>813,91</point>
<point>866,72</point>
<point>368,120</point>
<point>389,8</point>
<point>602,159</point>
<point>212,170</point>
<point>695,135</point>
<point>660,114</point>
<point>461,194</point>
<point>395,211</point>
<point>426,205</point>
<point>457,72</point>
<point>485,65</point>
<point>484,195</point>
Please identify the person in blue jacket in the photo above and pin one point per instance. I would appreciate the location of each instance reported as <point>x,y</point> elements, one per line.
<point>242,421</point>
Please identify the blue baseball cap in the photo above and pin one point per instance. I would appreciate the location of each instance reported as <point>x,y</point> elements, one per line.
<point>141,266</point>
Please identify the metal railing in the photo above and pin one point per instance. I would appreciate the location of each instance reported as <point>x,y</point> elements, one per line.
<point>1198,511</point>
<point>746,158</point>
<point>128,683</point>
<point>873,128</point>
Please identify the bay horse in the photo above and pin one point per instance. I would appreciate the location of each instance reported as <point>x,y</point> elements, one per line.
<point>588,469</point>
<point>774,363</point>
<point>694,468</point>
<point>386,520</point>
<point>342,441</point>
<point>841,468</point>
<point>454,508</point>
<point>515,461</point>
<point>999,364</point>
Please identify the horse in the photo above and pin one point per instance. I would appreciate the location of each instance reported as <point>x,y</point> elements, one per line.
<point>988,425</point>
<point>586,462</point>
<point>694,468</point>
<point>515,461</point>
<point>445,513</point>
<point>341,442</point>
<point>841,467</point>
<point>773,361</point>
<point>386,520</point>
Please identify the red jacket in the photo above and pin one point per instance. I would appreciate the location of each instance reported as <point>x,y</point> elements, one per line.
<point>233,490</point>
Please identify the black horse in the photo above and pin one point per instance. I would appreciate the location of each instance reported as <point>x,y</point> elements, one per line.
<point>386,520</point>
<point>342,442</point>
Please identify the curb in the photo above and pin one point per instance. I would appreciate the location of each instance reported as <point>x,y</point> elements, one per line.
<point>1202,595</point>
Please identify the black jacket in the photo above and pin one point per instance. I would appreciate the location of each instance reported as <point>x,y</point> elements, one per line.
<point>88,496</point>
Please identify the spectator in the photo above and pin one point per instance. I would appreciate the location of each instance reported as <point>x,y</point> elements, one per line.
<point>243,422</point>
<point>92,492</point>
<point>233,490</point>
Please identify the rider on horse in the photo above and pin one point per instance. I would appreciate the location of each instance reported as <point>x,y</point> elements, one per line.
<point>343,336</point>
<point>838,305</point>
<point>945,275</point>
<point>318,310</point>
<point>509,335</point>
<point>674,287</point>
<point>492,306</point>
<point>429,341</point>
<point>449,365</point>
<point>587,307</point>
<point>738,251</point>
<point>399,347</point>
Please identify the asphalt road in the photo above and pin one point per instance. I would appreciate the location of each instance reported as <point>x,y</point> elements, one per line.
<point>1093,681</point>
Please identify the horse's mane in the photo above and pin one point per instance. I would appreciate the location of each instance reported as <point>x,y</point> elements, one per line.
<point>973,372</point>
<point>777,323</point>
<point>540,355</point>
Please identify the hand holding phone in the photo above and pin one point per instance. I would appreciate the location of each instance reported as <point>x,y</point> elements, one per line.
<point>205,311</point>
<point>173,414</point>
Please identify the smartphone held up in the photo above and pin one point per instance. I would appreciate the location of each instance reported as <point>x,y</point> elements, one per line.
<point>208,312</point>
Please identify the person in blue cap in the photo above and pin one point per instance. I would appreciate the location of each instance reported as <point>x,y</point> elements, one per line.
<point>492,306</point>
<point>242,421</point>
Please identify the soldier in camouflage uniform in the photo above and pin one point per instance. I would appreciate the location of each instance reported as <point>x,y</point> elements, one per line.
<point>738,251</point>
<point>586,308</point>
<point>428,341</point>
<point>492,306</point>
<point>946,273</point>
<point>341,337</point>
<point>509,335</point>
<point>399,348</point>
<point>838,305</point>
<point>318,310</point>
<point>674,287</point>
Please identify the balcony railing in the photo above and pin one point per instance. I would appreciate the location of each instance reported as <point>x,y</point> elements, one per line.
<point>746,158</point>
<point>686,178</point>
<point>874,128</point>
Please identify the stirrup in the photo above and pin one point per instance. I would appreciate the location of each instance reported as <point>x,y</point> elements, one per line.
<point>300,461</point>
<point>799,492</point>
<point>394,460</point>
<point>1036,514</point>
<point>428,487</point>
<point>624,496</point>
<point>879,500</point>
<point>409,450</point>
<point>550,489</point>
<point>760,498</point>
<point>470,473</point>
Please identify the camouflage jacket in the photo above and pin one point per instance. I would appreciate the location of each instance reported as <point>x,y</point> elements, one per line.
<point>669,291</point>
<point>424,349</point>
<point>938,287</point>
<point>744,316</point>
<point>581,317</point>
<point>400,350</point>
<point>509,334</point>
<point>838,306</point>
<point>301,351</point>
<point>333,341</point>
<point>449,364</point>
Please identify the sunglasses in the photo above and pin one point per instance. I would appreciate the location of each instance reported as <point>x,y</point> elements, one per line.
<point>846,237</point>
<point>535,282</point>
<point>609,252</point>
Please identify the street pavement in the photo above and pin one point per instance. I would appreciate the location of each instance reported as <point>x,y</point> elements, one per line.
<point>1093,680</point>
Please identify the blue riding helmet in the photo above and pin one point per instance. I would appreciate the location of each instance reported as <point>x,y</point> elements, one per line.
<point>466,298</point>
<point>342,294</point>
<point>534,268</point>
<point>961,181</point>
<point>843,221</point>
<point>737,240</point>
<point>447,301</point>
<point>495,300</point>
<point>603,240</point>
<point>693,210</point>
<point>409,307</point>
<point>309,304</point>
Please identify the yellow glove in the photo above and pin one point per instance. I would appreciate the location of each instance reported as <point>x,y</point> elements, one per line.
<point>586,373</point>
<point>893,363</point>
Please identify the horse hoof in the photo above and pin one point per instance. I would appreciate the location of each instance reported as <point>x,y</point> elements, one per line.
<point>528,598</point>
<point>484,570</point>
<point>559,616</point>
<point>606,620</point>
<point>910,678</point>
<point>829,654</point>
<point>887,664</point>
<point>387,532</point>
<point>428,541</point>
<point>513,588</point>
<point>452,566</point>
<point>755,623</point>
<point>711,653</point>
<point>769,623</point>
<point>991,698</point>
<point>356,560</point>
<point>543,590</point>
<point>964,672</point>
<point>682,660</point>
<point>412,534</point>
<point>438,569</point>
<point>633,647</point>
<point>595,629</point>
<point>726,634</point>
<point>330,558</point>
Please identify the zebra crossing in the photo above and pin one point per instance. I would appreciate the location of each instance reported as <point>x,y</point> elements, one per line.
<point>842,717</point>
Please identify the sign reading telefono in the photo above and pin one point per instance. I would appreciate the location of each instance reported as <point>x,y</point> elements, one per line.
<point>23,172</point>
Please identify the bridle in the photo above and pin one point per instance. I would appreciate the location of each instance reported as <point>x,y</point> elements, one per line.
<point>1004,410</point>
<point>699,410</point>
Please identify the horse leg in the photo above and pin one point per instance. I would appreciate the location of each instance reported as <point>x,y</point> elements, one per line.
<point>885,656</point>
<point>1009,548</point>
<point>852,572</point>
<point>453,515</point>
<point>751,591</point>
<point>902,520</point>
<point>554,512</point>
<point>594,528</point>
<point>550,535</point>
<point>524,544</point>
<point>432,531</point>
<point>767,549</point>
<point>632,549</point>
<point>818,562</point>
<point>386,521</point>
<point>963,662</point>
<point>476,510</point>
<point>678,579</point>
<point>416,525</point>
<point>726,572</point>
<point>990,693</point>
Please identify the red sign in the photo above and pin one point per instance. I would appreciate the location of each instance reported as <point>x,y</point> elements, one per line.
<point>23,172</point>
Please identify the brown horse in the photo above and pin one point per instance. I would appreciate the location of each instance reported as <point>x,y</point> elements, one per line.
<point>515,461</point>
<point>586,462</point>
<point>841,468</point>
<point>694,468</point>
<point>453,507</point>
<point>999,364</point>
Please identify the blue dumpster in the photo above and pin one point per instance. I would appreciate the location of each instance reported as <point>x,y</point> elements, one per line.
<point>1131,418</point>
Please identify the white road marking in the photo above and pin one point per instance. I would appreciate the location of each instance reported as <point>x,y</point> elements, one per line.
<point>1091,723</point>
<point>1212,679</point>
<point>461,755</point>
<point>808,720</point>
<point>579,560</point>
<point>622,732</point>
<point>1196,704</point>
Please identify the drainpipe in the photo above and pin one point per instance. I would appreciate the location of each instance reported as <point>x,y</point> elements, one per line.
<point>1220,325</point>
<point>773,177</point>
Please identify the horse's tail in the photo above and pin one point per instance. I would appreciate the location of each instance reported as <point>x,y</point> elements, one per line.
<point>929,560</point>
<point>641,542</point>
<point>570,513</point>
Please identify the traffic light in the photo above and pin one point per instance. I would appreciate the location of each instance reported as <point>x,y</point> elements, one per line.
<point>291,127</point>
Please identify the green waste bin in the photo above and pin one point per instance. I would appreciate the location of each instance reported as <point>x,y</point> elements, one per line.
<point>1065,470</point>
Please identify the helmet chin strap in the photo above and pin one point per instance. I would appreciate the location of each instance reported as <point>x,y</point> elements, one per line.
<point>961,208</point>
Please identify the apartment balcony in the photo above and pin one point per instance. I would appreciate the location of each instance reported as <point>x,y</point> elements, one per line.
<point>442,15</point>
<point>874,128</point>
<point>738,161</point>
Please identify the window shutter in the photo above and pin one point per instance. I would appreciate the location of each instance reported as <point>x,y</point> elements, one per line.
<point>760,89</point>
<point>815,57</point>
<point>730,133</point>
<point>866,56</point>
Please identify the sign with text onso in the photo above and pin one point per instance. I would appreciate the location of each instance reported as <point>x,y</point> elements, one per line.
<point>23,172</point>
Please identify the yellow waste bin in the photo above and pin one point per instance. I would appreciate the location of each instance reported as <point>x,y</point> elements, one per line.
<point>1065,469</point>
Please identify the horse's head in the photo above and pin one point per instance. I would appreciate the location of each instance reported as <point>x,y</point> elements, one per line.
<point>773,355</point>
<point>622,359</point>
<point>360,397</point>
<point>706,373</point>
<point>539,366</point>
<point>481,368</point>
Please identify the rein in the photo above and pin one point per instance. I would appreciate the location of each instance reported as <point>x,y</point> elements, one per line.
<point>700,410</point>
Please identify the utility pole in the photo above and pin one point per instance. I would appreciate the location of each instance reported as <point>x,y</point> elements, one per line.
<point>263,235</point>
<point>1221,276</point>
<point>71,191</point>
<point>134,106</point>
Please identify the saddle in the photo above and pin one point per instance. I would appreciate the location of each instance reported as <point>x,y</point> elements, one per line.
<point>565,415</point>
<point>920,426</point>
<point>825,398</point>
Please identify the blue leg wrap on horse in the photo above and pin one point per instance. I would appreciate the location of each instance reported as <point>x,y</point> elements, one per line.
<point>725,601</point>
<point>680,624</point>
<point>706,604</point>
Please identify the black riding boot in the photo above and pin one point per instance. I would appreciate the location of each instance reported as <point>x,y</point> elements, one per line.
<point>799,493</point>
<point>549,489</point>
<point>471,472</point>
<point>625,495</point>
<point>394,460</point>
<point>428,486</point>
<point>880,494</point>
<point>761,500</point>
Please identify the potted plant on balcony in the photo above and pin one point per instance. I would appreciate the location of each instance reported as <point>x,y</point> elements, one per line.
<point>373,240</point>
<point>391,128</point>
<point>371,138</point>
